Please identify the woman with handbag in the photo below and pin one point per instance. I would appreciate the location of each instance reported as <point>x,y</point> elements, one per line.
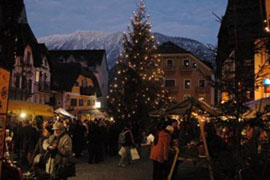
<point>59,145</point>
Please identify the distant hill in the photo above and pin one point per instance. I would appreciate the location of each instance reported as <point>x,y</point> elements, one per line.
<point>112,43</point>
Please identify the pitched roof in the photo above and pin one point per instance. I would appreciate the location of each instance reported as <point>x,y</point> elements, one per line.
<point>241,24</point>
<point>93,57</point>
<point>27,37</point>
<point>65,75</point>
<point>170,48</point>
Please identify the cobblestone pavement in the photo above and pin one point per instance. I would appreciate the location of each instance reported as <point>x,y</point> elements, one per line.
<point>138,170</point>
<point>108,170</point>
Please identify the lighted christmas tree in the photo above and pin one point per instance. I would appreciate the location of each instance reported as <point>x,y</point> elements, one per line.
<point>137,88</point>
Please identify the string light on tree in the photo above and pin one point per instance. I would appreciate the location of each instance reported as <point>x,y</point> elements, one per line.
<point>139,75</point>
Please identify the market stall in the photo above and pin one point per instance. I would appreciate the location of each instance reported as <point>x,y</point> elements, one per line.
<point>92,114</point>
<point>196,110</point>
<point>63,112</point>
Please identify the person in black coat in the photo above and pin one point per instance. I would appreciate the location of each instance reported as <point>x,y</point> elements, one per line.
<point>29,140</point>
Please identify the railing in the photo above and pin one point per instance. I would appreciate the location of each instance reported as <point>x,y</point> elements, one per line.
<point>185,69</point>
<point>169,69</point>
<point>44,85</point>
<point>173,89</point>
<point>87,90</point>
<point>201,89</point>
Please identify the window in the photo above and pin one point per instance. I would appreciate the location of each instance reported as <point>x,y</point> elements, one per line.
<point>29,85</point>
<point>201,83</point>
<point>24,82</point>
<point>187,84</point>
<point>37,76</point>
<point>88,103</point>
<point>81,102</point>
<point>73,102</point>
<point>169,83</point>
<point>28,58</point>
<point>186,63</point>
<point>169,63</point>
<point>194,65</point>
<point>186,96</point>
<point>17,81</point>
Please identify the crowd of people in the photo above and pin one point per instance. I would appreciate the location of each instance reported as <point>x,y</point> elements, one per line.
<point>52,146</point>
<point>49,147</point>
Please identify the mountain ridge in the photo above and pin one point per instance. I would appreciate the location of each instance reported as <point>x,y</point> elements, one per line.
<point>112,43</point>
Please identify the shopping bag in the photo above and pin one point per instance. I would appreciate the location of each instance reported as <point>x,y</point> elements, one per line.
<point>134,154</point>
<point>122,151</point>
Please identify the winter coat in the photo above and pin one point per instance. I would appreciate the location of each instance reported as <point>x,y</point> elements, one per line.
<point>63,154</point>
<point>29,137</point>
<point>160,151</point>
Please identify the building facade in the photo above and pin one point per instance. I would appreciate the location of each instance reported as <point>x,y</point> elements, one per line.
<point>30,70</point>
<point>93,60</point>
<point>185,74</point>
<point>240,27</point>
<point>74,89</point>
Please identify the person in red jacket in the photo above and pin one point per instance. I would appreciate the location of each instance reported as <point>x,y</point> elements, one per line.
<point>160,152</point>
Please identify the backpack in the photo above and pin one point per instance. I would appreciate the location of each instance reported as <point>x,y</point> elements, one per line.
<point>122,137</point>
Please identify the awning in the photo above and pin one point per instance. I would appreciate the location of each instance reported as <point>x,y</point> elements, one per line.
<point>17,107</point>
<point>64,112</point>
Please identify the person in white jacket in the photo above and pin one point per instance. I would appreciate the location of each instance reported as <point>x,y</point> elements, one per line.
<point>59,146</point>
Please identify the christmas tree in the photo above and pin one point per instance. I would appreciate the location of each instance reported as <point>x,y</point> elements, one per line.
<point>137,87</point>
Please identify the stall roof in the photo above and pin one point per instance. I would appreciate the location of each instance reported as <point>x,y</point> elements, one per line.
<point>17,107</point>
<point>191,102</point>
<point>260,105</point>
<point>64,112</point>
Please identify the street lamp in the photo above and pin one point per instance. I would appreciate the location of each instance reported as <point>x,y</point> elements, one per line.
<point>22,115</point>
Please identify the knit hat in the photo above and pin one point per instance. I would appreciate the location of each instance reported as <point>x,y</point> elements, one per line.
<point>58,125</point>
<point>170,129</point>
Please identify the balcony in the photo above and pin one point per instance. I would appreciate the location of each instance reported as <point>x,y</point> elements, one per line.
<point>185,69</point>
<point>202,90</point>
<point>44,86</point>
<point>169,69</point>
<point>173,89</point>
<point>88,91</point>
<point>19,94</point>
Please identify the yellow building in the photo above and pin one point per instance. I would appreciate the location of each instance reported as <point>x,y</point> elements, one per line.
<point>262,59</point>
<point>75,88</point>
<point>185,74</point>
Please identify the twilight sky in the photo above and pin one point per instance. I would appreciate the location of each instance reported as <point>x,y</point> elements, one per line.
<point>184,18</point>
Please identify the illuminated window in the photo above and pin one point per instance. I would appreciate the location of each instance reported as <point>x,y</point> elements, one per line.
<point>194,65</point>
<point>187,84</point>
<point>37,76</point>
<point>186,63</point>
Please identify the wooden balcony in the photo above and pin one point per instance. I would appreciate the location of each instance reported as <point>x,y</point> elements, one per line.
<point>173,90</point>
<point>88,91</point>
<point>169,69</point>
<point>44,86</point>
<point>185,70</point>
<point>202,90</point>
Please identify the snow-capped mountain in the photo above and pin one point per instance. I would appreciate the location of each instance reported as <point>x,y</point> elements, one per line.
<point>112,43</point>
